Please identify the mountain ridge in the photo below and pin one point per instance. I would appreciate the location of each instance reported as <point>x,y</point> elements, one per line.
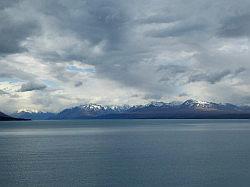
<point>5,117</point>
<point>33,114</point>
<point>189,109</point>
<point>161,110</point>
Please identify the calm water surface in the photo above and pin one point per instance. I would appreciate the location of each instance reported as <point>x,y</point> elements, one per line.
<point>125,153</point>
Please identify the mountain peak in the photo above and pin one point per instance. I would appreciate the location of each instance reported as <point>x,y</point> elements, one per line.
<point>5,117</point>
<point>156,103</point>
<point>192,101</point>
<point>197,104</point>
<point>28,111</point>
<point>189,109</point>
<point>91,106</point>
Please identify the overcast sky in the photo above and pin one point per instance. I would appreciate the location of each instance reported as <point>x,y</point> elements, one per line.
<point>60,53</point>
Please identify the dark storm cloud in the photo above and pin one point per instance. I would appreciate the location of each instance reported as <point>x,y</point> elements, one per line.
<point>7,3</point>
<point>85,25</point>
<point>31,86</point>
<point>109,17</point>
<point>13,32</point>
<point>237,26</point>
<point>93,20</point>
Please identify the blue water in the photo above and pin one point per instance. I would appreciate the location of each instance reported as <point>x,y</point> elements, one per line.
<point>125,153</point>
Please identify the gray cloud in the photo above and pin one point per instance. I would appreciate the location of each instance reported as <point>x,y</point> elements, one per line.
<point>211,78</point>
<point>157,19</point>
<point>178,30</point>
<point>215,76</point>
<point>183,95</point>
<point>7,3</point>
<point>152,49</point>
<point>14,31</point>
<point>239,71</point>
<point>236,26</point>
<point>78,83</point>
<point>173,68</point>
<point>7,71</point>
<point>32,86</point>
<point>152,97</point>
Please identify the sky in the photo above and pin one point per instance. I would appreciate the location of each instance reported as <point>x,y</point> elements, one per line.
<point>61,53</point>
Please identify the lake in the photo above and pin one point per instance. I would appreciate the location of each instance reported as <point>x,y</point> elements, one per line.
<point>170,153</point>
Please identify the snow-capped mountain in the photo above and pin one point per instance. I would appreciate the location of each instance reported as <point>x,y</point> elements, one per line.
<point>28,111</point>
<point>187,109</point>
<point>33,114</point>
<point>119,108</point>
<point>210,106</point>
<point>91,107</point>
<point>156,104</point>
<point>90,111</point>
<point>200,105</point>
<point>194,103</point>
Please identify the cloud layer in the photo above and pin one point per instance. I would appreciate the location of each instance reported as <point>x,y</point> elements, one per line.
<point>61,53</point>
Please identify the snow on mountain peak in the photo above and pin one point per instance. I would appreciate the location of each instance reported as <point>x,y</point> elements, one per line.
<point>196,103</point>
<point>97,107</point>
<point>91,106</point>
<point>118,107</point>
<point>28,111</point>
<point>157,104</point>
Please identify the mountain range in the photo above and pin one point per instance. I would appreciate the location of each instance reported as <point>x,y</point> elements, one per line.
<point>5,117</point>
<point>33,114</point>
<point>190,109</point>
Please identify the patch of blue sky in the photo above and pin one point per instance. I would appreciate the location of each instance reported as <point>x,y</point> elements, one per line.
<point>11,80</point>
<point>50,83</point>
<point>83,69</point>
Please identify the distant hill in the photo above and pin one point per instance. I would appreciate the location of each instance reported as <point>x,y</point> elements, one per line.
<point>33,115</point>
<point>190,109</point>
<point>90,111</point>
<point>4,117</point>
